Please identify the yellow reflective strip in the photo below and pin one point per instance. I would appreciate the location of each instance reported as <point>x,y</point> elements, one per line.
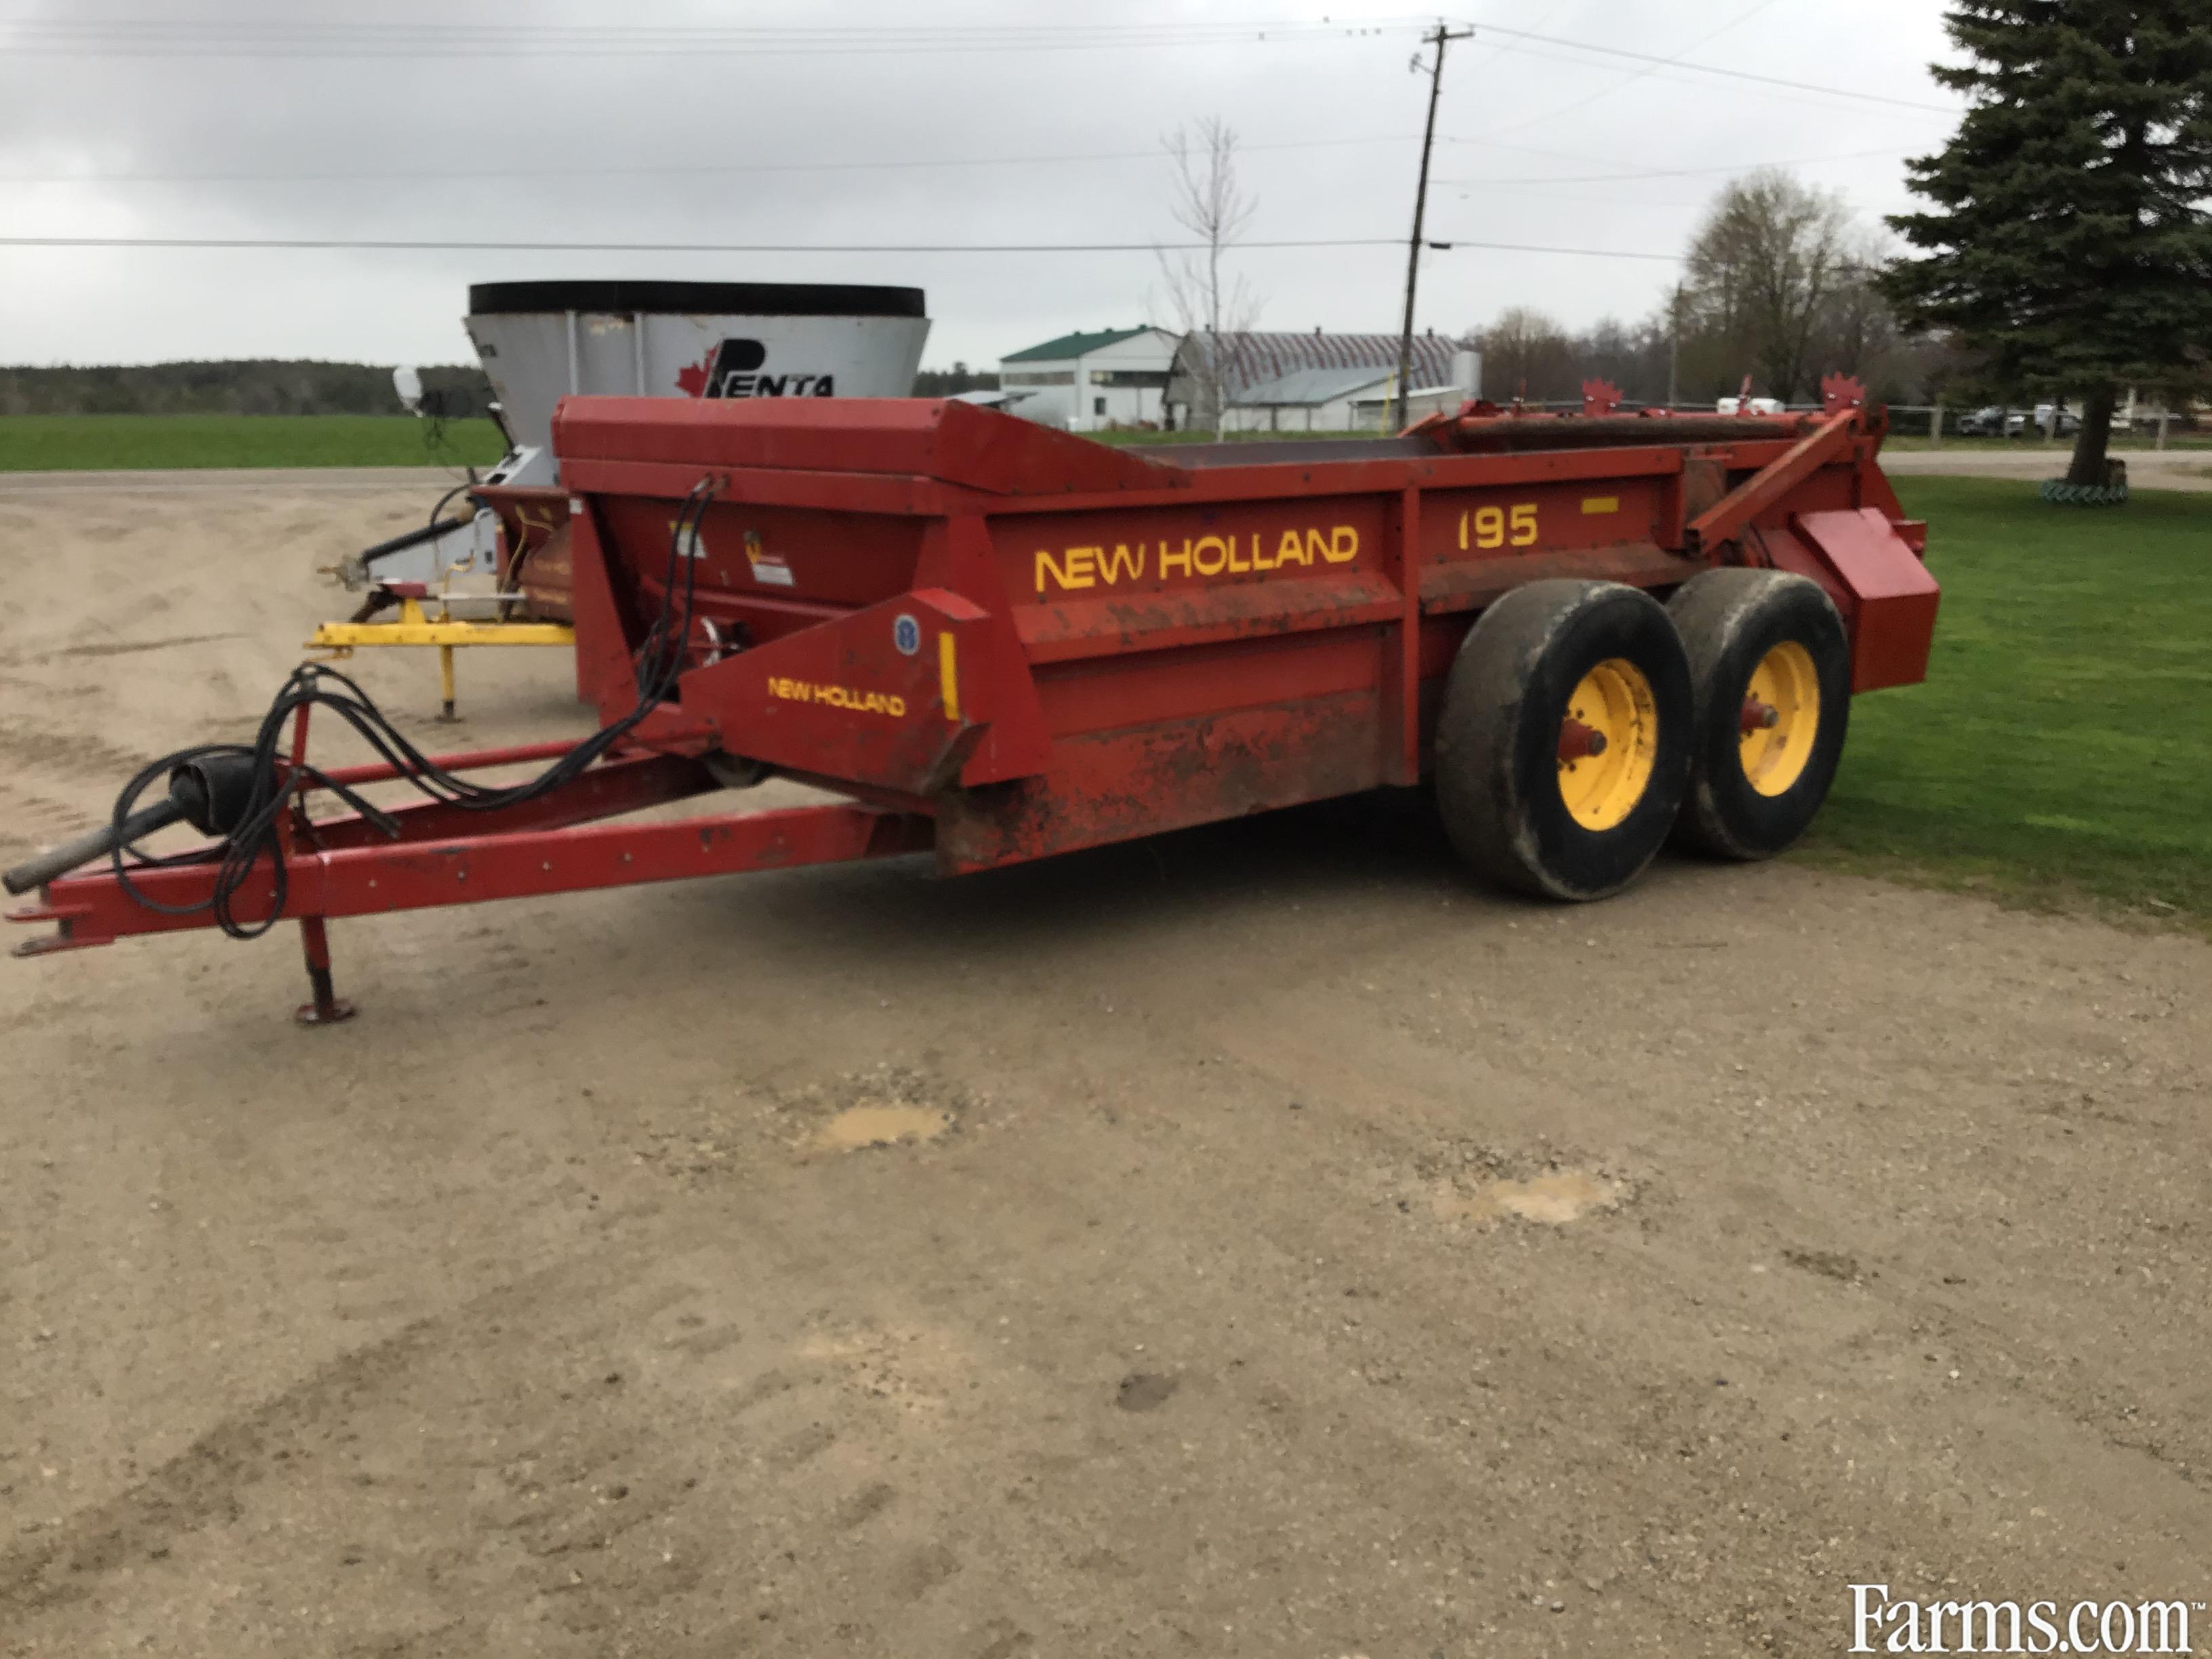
<point>948,676</point>
<point>1600,503</point>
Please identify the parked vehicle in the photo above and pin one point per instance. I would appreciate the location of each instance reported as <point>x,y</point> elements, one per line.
<point>1993,423</point>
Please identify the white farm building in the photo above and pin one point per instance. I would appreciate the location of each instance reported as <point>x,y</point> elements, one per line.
<point>1316,382</point>
<point>1088,382</point>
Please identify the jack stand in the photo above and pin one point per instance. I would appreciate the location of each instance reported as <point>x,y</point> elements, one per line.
<point>327,1008</point>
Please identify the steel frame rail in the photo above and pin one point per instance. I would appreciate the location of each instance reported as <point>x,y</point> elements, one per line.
<point>444,855</point>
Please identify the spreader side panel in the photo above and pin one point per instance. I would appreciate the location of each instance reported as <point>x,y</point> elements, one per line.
<point>1113,786</point>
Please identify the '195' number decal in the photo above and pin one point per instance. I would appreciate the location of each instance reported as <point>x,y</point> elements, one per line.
<point>1490,525</point>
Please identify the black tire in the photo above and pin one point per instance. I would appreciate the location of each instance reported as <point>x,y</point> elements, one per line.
<point>1730,621</point>
<point>1498,771</point>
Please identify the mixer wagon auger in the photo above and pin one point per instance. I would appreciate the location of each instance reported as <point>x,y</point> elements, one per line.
<point>995,642</point>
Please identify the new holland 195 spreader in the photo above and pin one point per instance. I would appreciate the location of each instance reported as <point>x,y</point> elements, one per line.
<point>995,641</point>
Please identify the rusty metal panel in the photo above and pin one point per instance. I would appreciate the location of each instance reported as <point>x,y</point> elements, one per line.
<point>1473,583</point>
<point>1112,786</point>
<point>1107,694</point>
<point>1163,622</point>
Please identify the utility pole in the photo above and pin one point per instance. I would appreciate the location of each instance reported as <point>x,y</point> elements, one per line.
<point>1420,204</point>
<point>1673,342</point>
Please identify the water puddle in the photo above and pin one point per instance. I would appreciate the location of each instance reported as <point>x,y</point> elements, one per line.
<point>868,1125</point>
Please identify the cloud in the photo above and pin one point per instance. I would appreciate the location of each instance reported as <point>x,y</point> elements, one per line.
<point>397,143</point>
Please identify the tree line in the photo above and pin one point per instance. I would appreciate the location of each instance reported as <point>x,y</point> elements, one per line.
<point>249,388</point>
<point>944,382</point>
<point>2064,250</point>
<point>1780,285</point>
<point>274,387</point>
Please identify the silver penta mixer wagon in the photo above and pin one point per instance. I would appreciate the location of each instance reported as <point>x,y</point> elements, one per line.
<point>541,341</point>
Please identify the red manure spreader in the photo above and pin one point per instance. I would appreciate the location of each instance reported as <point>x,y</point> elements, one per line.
<point>995,641</point>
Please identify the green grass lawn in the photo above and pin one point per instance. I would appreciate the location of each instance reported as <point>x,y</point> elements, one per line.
<point>2061,749</point>
<point>33,443</point>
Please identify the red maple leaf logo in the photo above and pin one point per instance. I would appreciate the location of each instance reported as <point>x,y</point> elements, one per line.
<point>691,378</point>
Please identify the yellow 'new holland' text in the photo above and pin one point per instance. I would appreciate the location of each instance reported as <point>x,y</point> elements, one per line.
<point>1201,555</point>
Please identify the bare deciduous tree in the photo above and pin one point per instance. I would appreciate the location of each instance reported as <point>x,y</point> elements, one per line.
<point>1857,332</point>
<point>1213,310</point>
<point>1525,355</point>
<point>1762,271</point>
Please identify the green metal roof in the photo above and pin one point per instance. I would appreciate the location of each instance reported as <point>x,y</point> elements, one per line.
<point>1072,345</point>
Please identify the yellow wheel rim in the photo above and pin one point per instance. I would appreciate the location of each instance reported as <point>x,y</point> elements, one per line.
<point>1781,714</point>
<point>1609,742</point>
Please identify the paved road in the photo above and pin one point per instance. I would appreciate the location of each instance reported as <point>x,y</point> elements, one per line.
<point>2171,468</point>
<point>234,482</point>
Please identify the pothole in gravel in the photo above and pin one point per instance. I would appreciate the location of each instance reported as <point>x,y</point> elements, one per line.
<point>880,1125</point>
<point>1478,1187</point>
<point>1144,1391</point>
<point>884,1106</point>
<point>1554,1199</point>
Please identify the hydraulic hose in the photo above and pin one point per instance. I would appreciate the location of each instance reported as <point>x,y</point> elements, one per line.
<point>208,789</point>
<point>237,792</point>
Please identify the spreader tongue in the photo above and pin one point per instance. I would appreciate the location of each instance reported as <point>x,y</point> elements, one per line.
<point>210,791</point>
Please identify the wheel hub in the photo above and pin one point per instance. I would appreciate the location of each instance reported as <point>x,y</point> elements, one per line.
<point>1781,714</point>
<point>1580,742</point>
<point>1608,743</point>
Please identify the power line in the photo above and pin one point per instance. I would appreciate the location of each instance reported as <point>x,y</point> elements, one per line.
<point>902,164</point>
<point>1637,75</point>
<point>166,37</point>
<point>1676,173</point>
<point>681,170</point>
<point>1700,85</point>
<point>378,245</point>
<point>270,38</point>
<point>1659,63</point>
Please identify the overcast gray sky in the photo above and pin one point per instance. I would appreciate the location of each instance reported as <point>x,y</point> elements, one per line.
<point>479,120</point>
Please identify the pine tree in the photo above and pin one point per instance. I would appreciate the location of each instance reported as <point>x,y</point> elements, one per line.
<point>2069,243</point>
